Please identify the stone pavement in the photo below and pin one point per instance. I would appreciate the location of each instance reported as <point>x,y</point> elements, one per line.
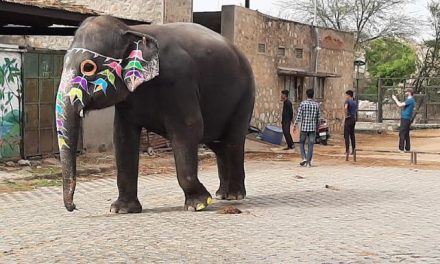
<point>366,215</point>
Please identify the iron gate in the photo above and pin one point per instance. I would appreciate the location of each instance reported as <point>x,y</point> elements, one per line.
<point>41,78</point>
<point>375,103</point>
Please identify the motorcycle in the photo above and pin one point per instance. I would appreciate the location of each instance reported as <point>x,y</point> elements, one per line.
<point>323,134</point>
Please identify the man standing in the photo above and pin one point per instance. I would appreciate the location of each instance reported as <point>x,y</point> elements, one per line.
<point>308,115</point>
<point>350,108</point>
<point>405,120</point>
<point>286,118</point>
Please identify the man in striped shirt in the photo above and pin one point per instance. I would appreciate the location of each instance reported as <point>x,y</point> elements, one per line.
<point>309,115</point>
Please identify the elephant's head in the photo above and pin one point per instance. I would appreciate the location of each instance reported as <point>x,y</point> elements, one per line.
<point>105,62</point>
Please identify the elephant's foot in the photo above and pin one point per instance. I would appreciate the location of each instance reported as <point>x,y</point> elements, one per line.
<point>197,202</point>
<point>231,193</point>
<point>126,207</point>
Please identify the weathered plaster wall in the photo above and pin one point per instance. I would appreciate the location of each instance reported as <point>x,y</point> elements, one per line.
<point>336,56</point>
<point>178,11</point>
<point>247,29</point>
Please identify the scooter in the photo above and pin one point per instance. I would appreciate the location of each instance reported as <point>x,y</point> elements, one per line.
<point>323,132</point>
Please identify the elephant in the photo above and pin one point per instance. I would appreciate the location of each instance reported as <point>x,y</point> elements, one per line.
<point>179,80</point>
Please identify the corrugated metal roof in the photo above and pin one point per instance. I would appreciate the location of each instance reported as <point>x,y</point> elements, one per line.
<point>55,4</point>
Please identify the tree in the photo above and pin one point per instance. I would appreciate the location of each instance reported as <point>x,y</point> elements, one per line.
<point>429,66</point>
<point>390,58</point>
<point>368,19</point>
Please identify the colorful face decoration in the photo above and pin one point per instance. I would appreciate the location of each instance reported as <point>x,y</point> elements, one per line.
<point>73,88</point>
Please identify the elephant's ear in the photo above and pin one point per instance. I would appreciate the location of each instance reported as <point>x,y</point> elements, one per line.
<point>142,63</point>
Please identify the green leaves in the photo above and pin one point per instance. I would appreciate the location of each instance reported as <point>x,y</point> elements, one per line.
<point>110,76</point>
<point>390,58</point>
<point>134,64</point>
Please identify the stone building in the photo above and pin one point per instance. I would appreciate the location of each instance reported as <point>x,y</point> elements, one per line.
<point>33,54</point>
<point>281,53</point>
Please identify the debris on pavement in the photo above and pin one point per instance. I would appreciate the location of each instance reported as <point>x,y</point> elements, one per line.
<point>331,187</point>
<point>23,162</point>
<point>229,210</point>
<point>10,164</point>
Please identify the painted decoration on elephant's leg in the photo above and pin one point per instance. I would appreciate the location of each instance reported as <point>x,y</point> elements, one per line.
<point>10,89</point>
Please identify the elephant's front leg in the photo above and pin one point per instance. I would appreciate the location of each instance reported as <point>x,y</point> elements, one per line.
<point>197,197</point>
<point>126,140</point>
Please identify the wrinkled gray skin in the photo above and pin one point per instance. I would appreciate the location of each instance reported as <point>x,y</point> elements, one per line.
<point>203,95</point>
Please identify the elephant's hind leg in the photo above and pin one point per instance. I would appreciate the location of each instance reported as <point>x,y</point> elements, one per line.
<point>126,140</point>
<point>230,162</point>
<point>197,197</point>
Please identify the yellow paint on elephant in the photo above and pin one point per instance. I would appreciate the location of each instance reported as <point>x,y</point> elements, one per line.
<point>62,143</point>
<point>209,201</point>
<point>75,94</point>
<point>200,207</point>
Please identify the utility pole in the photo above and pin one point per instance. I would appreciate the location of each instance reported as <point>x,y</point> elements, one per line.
<point>317,47</point>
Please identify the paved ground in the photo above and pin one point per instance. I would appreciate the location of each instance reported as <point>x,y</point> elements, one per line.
<point>367,215</point>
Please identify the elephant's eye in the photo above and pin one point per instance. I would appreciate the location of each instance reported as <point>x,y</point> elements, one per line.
<point>88,68</point>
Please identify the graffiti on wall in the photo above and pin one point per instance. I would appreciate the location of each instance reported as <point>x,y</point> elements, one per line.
<point>10,89</point>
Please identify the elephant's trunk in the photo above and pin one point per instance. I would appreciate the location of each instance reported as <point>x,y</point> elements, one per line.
<point>68,125</point>
<point>68,159</point>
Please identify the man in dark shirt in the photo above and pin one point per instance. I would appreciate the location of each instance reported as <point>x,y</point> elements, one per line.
<point>286,118</point>
<point>350,108</point>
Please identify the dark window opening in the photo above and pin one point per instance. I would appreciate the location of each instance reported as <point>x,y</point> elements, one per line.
<point>319,93</point>
<point>281,51</point>
<point>295,86</point>
<point>299,53</point>
<point>261,47</point>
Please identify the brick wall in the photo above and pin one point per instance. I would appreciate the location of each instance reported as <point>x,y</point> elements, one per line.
<point>247,29</point>
<point>178,11</point>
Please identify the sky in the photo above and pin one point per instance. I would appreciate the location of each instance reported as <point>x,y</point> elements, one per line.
<point>416,8</point>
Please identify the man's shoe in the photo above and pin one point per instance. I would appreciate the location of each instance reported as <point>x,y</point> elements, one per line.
<point>309,165</point>
<point>302,163</point>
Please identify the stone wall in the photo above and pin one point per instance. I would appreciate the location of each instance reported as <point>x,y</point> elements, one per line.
<point>251,29</point>
<point>337,57</point>
<point>142,10</point>
<point>178,11</point>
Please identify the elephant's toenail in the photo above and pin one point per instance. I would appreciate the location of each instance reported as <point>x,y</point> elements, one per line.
<point>200,206</point>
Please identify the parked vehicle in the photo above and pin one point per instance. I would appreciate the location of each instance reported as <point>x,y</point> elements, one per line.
<point>323,132</point>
